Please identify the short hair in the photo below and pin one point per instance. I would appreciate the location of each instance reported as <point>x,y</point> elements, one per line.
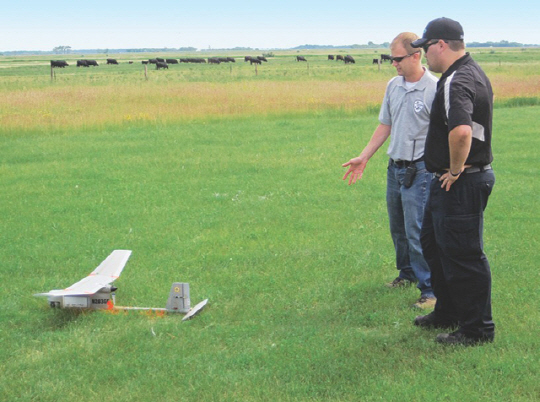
<point>405,39</point>
<point>456,45</point>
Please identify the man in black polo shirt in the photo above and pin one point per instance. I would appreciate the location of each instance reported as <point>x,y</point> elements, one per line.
<point>458,151</point>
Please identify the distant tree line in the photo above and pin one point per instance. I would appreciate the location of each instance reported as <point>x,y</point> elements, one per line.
<point>369,45</point>
<point>502,43</point>
<point>153,50</point>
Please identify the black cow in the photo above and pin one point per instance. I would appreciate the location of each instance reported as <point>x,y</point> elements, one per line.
<point>349,59</point>
<point>144,61</point>
<point>112,61</point>
<point>223,59</point>
<point>82,63</point>
<point>339,57</point>
<point>375,61</point>
<point>59,63</point>
<point>247,58</point>
<point>254,61</point>
<point>152,61</point>
<point>92,63</point>
<point>262,58</point>
<point>386,57</point>
<point>213,60</point>
<point>300,58</point>
<point>231,59</point>
<point>160,64</point>
<point>171,61</point>
<point>330,57</point>
<point>160,60</point>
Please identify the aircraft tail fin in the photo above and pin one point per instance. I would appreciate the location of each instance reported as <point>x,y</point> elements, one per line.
<point>178,301</point>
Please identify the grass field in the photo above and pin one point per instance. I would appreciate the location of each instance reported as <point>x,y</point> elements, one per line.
<point>232,182</point>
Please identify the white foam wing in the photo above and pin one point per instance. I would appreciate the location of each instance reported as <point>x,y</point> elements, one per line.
<point>105,274</point>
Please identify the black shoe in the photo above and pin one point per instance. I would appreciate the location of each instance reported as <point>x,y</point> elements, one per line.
<point>431,321</point>
<point>458,338</point>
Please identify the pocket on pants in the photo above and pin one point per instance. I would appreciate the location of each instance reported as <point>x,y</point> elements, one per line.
<point>462,234</point>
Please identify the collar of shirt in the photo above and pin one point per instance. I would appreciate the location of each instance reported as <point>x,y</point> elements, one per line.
<point>457,64</point>
<point>420,84</point>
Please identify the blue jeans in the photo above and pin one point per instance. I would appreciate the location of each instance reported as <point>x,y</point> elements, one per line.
<point>406,212</point>
<point>452,240</point>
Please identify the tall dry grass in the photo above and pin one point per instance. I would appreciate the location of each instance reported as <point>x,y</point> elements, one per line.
<point>75,107</point>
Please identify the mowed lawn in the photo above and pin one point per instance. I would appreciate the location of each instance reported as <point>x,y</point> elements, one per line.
<point>252,212</point>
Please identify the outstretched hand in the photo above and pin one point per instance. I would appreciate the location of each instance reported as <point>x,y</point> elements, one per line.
<point>356,169</point>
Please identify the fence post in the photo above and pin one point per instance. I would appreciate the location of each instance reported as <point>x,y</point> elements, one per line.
<point>52,73</point>
<point>146,72</point>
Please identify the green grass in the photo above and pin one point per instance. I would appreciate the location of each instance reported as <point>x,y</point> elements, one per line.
<point>252,212</point>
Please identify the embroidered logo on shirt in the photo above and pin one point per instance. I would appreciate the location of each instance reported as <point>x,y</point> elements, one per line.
<point>418,106</point>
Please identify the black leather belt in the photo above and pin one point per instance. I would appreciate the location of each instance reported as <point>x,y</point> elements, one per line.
<point>404,164</point>
<point>472,169</point>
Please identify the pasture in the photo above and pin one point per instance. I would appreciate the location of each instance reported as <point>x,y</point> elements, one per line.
<point>230,179</point>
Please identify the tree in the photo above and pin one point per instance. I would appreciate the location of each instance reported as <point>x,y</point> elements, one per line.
<point>62,49</point>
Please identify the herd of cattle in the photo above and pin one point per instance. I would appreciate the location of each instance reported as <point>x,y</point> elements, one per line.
<point>82,63</point>
<point>164,63</point>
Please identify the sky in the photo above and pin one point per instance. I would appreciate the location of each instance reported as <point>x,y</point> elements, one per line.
<point>270,24</point>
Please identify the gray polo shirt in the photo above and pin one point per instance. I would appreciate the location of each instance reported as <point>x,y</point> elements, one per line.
<point>407,111</point>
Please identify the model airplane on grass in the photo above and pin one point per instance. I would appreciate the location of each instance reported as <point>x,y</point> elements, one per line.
<point>97,292</point>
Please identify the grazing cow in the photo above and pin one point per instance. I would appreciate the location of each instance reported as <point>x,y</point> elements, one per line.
<point>255,61</point>
<point>82,63</point>
<point>223,59</point>
<point>386,57</point>
<point>171,61</point>
<point>144,61</point>
<point>339,57</point>
<point>152,61</point>
<point>213,60</point>
<point>59,63</point>
<point>231,59</point>
<point>300,58</point>
<point>348,59</point>
<point>160,60</point>
<point>375,61</point>
<point>247,58</point>
<point>130,62</point>
<point>112,61</point>
<point>160,64</point>
<point>262,58</point>
<point>330,57</point>
<point>92,63</point>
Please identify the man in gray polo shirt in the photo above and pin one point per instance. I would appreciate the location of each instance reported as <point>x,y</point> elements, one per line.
<point>404,117</point>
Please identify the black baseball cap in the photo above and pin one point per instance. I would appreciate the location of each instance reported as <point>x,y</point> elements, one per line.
<point>440,28</point>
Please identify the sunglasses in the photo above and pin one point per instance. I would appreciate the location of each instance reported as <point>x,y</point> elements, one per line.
<point>400,58</point>
<point>427,45</point>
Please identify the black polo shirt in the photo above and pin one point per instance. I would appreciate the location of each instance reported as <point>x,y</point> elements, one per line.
<point>464,97</point>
